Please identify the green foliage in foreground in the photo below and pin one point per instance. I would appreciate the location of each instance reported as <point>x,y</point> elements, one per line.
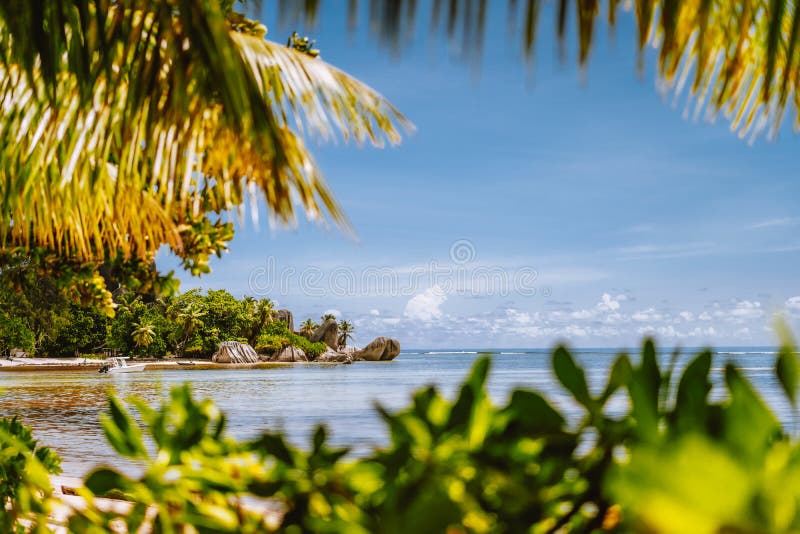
<point>675,461</point>
<point>24,474</point>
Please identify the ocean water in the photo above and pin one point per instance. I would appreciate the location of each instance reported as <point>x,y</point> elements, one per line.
<point>63,407</point>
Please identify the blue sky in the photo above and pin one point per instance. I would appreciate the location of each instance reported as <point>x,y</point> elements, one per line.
<point>533,207</point>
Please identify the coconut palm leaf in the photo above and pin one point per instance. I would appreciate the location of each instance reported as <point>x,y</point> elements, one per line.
<point>308,326</point>
<point>735,58</point>
<point>143,333</point>
<point>125,123</point>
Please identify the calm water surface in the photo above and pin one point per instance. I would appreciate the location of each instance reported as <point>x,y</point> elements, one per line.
<point>63,407</point>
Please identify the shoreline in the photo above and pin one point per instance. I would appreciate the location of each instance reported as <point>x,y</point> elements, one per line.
<point>55,364</point>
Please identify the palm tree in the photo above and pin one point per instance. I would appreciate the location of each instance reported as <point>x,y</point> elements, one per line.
<point>143,333</point>
<point>145,120</point>
<point>110,155</point>
<point>190,319</point>
<point>308,327</point>
<point>263,313</point>
<point>125,301</point>
<point>345,332</point>
<point>739,58</point>
<point>328,317</point>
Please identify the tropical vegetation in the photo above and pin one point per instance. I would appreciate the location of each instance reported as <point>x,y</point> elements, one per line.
<point>674,459</point>
<point>277,336</point>
<point>191,324</point>
<point>346,330</point>
<point>308,326</point>
<point>132,125</point>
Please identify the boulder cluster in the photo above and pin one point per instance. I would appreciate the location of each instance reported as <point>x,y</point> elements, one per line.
<point>381,349</point>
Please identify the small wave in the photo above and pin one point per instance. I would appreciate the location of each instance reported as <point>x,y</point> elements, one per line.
<point>720,369</point>
<point>512,353</point>
<point>743,353</point>
<point>451,352</point>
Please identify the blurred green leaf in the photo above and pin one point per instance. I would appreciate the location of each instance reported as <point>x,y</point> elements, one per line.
<point>471,392</point>
<point>750,426</point>
<point>572,377</point>
<point>102,481</point>
<point>787,367</point>
<point>121,430</point>
<point>618,377</point>
<point>691,406</point>
<point>688,486</point>
<point>644,388</point>
<point>787,370</point>
<point>532,413</point>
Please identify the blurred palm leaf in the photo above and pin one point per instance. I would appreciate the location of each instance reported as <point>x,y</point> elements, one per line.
<point>739,58</point>
<point>125,122</point>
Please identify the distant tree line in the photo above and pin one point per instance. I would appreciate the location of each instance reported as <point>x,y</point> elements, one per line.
<point>41,321</point>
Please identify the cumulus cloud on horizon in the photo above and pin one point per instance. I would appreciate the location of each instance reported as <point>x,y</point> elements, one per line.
<point>612,320</point>
<point>426,306</point>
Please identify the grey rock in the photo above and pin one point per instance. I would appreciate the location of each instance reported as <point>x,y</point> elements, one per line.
<point>291,354</point>
<point>286,317</point>
<point>381,349</point>
<point>327,332</point>
<point>331,356</point>
<point>234,352</point>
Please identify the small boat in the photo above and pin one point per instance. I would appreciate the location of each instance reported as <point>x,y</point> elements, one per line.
<point>119,365</point>
<point>185,363</point>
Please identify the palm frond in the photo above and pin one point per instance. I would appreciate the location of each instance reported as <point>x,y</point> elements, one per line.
<point>741,57</point>
<point>125,122</point>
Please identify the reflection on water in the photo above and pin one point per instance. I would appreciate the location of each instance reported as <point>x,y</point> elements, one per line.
<point>63,407</point>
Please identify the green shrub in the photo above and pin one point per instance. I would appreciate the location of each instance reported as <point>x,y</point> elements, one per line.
<point>83,330</point>
<point>276,336</point>
<point>24,470</point>
<point>675,461</point>
<point>269,343</point>
<point>195,351</point>
<point>312,350</point>
<point>15,334</point>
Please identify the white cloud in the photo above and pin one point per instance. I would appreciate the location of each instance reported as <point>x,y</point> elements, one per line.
<point>518,317</point>
<point>773,223</point>
<point>423,322</point>
<point>793,305</point>
<point>705,333</point>
<point>608,303</point>
<point>742,332</point>
<point>746,309</point>
<point>668,331</point>
<point>336,313</point>
<point>576,331</point>
<point>426,306</point>
<point>646,316</point>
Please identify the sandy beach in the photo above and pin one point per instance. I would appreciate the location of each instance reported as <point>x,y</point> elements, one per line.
<point>81,364</point>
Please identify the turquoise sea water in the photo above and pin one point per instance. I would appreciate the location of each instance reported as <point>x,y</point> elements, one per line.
<point>63,407</point>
